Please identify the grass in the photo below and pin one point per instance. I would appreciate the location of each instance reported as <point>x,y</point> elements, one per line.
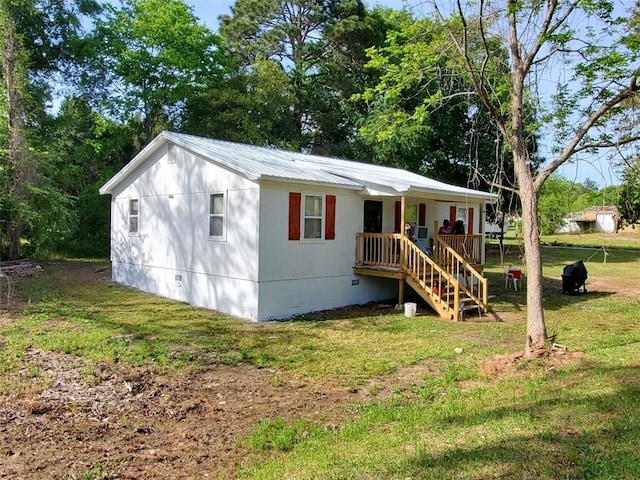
<point>577,421</point>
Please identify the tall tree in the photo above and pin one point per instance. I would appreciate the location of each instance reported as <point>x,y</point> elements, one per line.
<point>598,75</point>
<point>252,105</point>
<point>423,115</point>
<point>343,73</point>
<point>146,59</point>
<point>19,166</point>
<point>34,45</point>
<point>319,44</point>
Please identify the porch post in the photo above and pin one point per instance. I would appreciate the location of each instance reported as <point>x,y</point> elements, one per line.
<point>403,253</point>
<point>483,253</point>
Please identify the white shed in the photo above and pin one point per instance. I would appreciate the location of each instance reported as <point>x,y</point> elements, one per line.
<point>594,219</point>
<point>261,233</point>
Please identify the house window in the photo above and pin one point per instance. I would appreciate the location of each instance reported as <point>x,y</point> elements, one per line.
<point>134,216</point>
<point>462,214</point>
<point>313,216</point>
<point>216,215</point>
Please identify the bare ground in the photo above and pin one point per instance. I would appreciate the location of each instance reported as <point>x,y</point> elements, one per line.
<point>145,425</point>
<point>74,416</point>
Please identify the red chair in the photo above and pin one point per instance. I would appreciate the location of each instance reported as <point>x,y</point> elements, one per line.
<point>514,276</point>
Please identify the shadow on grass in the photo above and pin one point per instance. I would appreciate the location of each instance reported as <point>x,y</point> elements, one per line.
<point>554,298</point>
<point>594,436</point>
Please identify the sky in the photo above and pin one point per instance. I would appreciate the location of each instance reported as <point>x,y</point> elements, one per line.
<point>594,169</point>
<point>209,10</point>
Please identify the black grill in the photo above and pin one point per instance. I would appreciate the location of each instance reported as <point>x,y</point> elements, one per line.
<point>574,276</point>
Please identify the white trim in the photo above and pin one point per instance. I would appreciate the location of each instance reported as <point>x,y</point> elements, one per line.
<point>322,217</point>
<point>130,216</point>
<point>224,215</point>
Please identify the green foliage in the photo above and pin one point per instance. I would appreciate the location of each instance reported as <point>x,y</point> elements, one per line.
<point>420,116</point>
<point>252,106</point>
<point>319,47</point>
<point>629,202</point>
<point>591,73</point>
<point>145,59</point>
<point>96,472</point>
<point>90,238</point>
<point>555,201</point>
<point>36,37</point>
<point>560,197</point>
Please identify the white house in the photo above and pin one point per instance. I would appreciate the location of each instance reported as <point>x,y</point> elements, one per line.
<point>261,233</point>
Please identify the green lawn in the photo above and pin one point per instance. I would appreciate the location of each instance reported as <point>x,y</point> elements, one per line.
<point>540,421</point>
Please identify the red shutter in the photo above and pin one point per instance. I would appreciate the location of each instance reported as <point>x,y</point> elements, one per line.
<point>470,222</point>
<point>422,214</point>
<point>397,227</point>
<point>330,227</point>
<point>295,199</point>
<point>452,215</point>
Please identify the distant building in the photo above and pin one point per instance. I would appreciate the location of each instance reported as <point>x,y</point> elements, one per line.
<point>594,219</point>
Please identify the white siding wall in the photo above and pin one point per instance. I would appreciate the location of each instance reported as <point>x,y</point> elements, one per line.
<point>173,256</point>
<point>302,276</point>
<point>606,222</point>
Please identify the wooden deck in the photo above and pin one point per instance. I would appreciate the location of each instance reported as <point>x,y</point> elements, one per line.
<point>450,281</point>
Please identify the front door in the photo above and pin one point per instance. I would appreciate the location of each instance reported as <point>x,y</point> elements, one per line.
<point>372,216</point>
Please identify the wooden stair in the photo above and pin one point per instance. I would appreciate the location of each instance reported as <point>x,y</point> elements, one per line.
<point>451,290</point>
<point>447,282</point>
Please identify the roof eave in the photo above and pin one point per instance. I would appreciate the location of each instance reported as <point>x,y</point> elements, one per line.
<point>273,178</point>
<point>124,172</point>
<point>434,192</point>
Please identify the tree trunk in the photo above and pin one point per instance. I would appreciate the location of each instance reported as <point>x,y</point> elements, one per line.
<point>19,165</point>
<point>536,328</point>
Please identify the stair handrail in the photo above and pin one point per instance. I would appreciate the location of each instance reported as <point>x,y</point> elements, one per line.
<point>447,291</point>
<point>475,285</point>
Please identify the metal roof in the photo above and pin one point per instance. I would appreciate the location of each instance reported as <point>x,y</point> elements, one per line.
<point>265,163</point>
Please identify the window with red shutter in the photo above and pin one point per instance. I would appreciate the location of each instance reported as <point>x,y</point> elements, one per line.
<point>330,224</point>
<point>295,200</point>
<point>311,215</point>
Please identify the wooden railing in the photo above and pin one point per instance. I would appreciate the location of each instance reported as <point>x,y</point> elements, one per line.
<point>432,278</point>
<point>463,267</point>
<point>447,277</point>
<point>378,249</point>
<point>469,247</point>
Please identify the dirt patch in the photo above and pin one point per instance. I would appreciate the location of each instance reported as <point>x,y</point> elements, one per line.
<point>504,365</point>
<point>72,417</point>
<point>141,424</point>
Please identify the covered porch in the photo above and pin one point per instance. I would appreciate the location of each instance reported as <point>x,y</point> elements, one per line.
<point>444,269</point>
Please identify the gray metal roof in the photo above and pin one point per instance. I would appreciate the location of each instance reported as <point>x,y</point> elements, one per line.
<point>261,163</point>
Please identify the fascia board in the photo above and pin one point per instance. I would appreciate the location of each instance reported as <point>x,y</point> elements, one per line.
<point>130,167</point>
<point>272,178</point>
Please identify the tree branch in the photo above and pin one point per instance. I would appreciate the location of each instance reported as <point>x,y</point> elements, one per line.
<point>617,143</point>
<point>478,84</point>
<point>574,144</point>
